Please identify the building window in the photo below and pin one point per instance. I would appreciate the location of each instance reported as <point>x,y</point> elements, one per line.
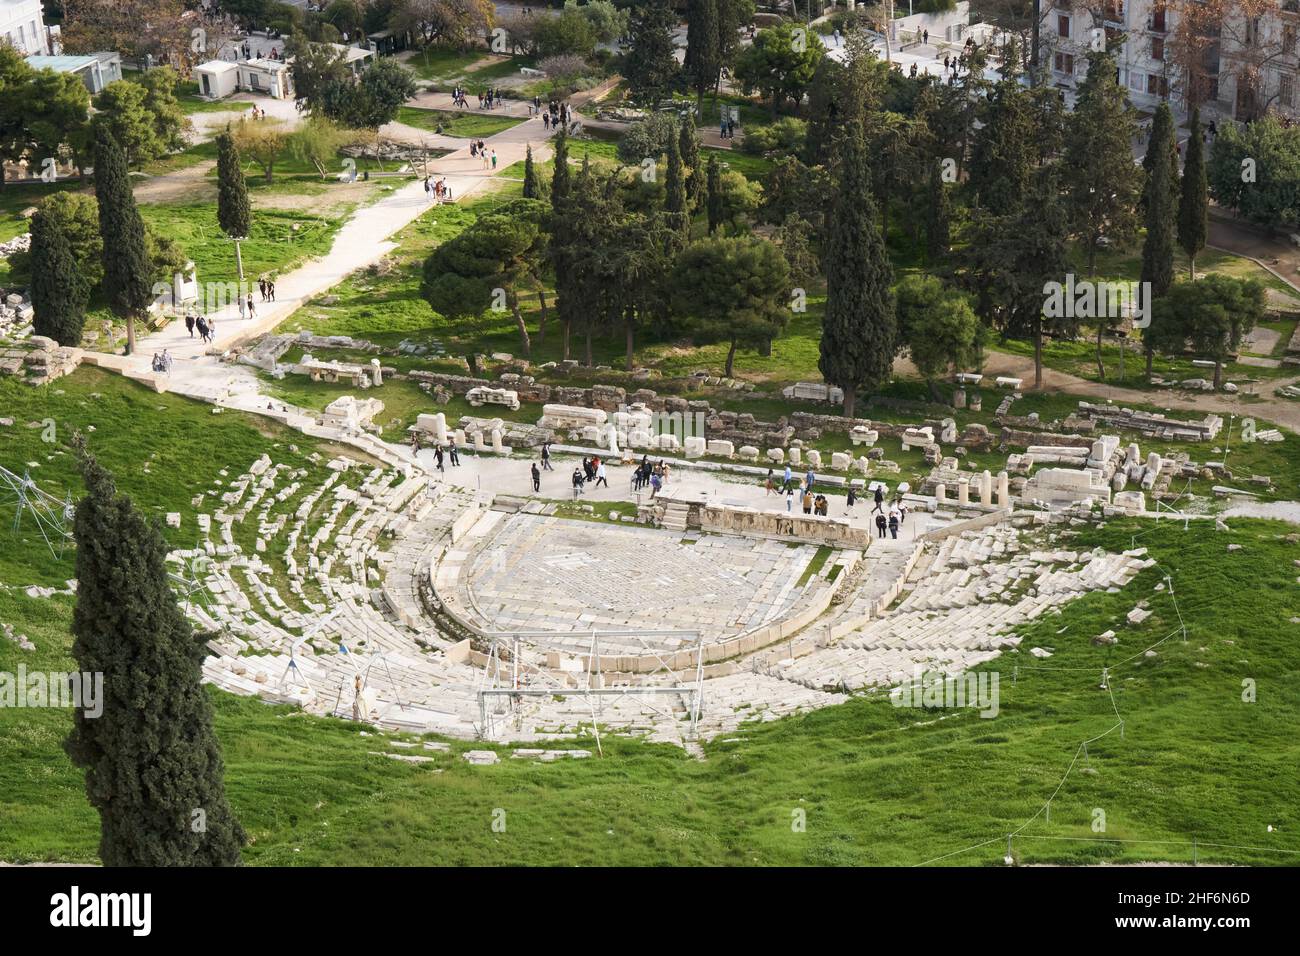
<point>1065,63</point>
<point>1158,85</point>
<point>1286,90</point>
<point>1063,27</point>
<point>1158,19</point>
<point>1157,48</point>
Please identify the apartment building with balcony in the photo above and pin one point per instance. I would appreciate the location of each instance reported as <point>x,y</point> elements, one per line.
<point>1245,66</point>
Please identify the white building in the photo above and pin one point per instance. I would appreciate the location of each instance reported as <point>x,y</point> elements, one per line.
<point>22,23</point>
<point>1140,33</point>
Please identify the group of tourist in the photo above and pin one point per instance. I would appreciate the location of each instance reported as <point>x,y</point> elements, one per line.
<point>479,148</point>
<point>246,308</point>
<point>162,363</point>
<point>489,99</point>
<point>441,456</point>
<point>555,115</point>
<point>654,475</point>
<point>437,191</point>
<point>207,328</point>
<point>593,470</point>
<point>267,288</point>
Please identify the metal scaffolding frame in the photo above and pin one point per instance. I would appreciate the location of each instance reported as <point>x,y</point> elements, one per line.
<point>507,680</point>
<point>53,517</point>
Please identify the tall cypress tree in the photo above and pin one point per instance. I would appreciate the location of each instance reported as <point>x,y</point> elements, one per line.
<point>715,195</point>
<point>153,764</point>
<point>676,203</point>
<point>859,330</point>
<point>689,145</point>
<point>59,292</point>
<point>530,174</point>
<point>561,177</point>
<point>650,67</point>
<point>1159,201</point>
<point>233,212</point>
<point>938,215</point>
<point>1193,205</point>
<point>703,49</point>
<point>1003,156</point>
<point>126,263</point>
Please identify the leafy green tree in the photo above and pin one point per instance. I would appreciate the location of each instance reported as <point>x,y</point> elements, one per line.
<point>650,68</point>
<point>647,138</point>
<point>152,760</point>
<point>484,266</point>
<point>1104,184</point>
<point>126,259</point>
<point>714,194</point>
<point>938,327</point>
<point>169,120</point>
<point>317,140</point>
<point>1212,315</point>
<point>1256,171</point>
<point>234,214</point>
<point>732,290</point>
<point>569,34</point>
<point>1005,149</point>
<point>1193,199</point>
<point>703,46</point>
<point>15,79</point>
<point>121,108</point>
<point>1160,202</point>
<point>1011,261</point>
<point>57,108</point>
<point>373,100</point>
<point>859,328</point>
<point>780,63</point>
<point>59,291</point>
<point>318,70</point>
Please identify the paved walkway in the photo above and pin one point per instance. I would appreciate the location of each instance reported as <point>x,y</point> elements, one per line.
<point>511,476</point>
<point>363,240</point>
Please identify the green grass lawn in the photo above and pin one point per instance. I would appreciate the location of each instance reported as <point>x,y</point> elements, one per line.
<point>463,123</point>
<point>443,63</point>
<point>279,240</point>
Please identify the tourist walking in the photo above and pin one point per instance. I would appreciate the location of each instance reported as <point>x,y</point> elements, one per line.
<point>189,324</point>
<point>600,475</point>
<point>438,456</point>
<point>787,483</point>
<point>880,525</point>
<point>893,524</point>
<point>537,477</point>
<point>769,484</point>
<point>270,290</point>
<point>454,453</point>
<point>578,479</point>
<point>880,501</point>
<point>546,456</point>
<point>252,312</point>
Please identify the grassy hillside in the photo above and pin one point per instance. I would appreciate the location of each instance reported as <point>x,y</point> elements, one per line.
<point>878,784</point>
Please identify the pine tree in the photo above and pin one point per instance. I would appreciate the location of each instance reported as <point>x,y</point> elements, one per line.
<point>703,49</point>
<point>153,764</point>
<point>1193,206</point>
<point>127,271</point>
<point>714,190</point>
<point>1004,152</point>
<point>1159,200</point>
<point>689,145</point>
<point>859,334</point>
<point>59,292</point>
<point>650,67</point>
<point>233,212</point>
<point>676,203</point>
<point>530,174</point>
